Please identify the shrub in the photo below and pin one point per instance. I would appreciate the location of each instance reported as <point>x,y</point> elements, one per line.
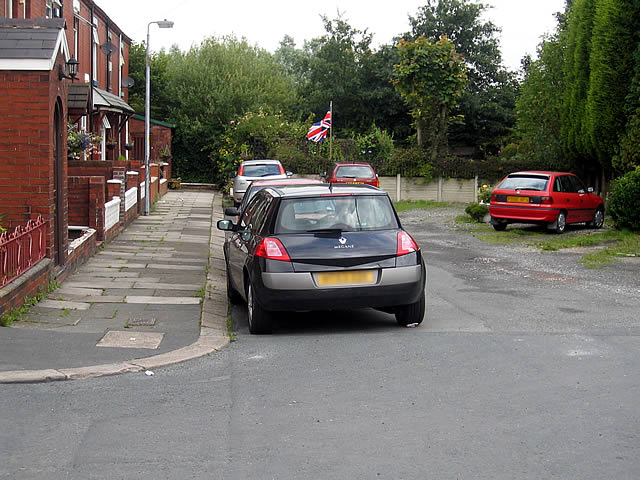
<point>624,201</point>
<point>484,193</point>
<point>477,211</point>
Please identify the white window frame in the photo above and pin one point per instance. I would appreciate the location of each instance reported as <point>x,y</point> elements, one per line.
<point>96,50</point>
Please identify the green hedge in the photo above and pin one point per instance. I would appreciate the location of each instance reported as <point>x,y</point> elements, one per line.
<point>623,204</point>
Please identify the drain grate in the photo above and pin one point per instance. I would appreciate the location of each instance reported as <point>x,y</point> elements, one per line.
<point>141,322</point>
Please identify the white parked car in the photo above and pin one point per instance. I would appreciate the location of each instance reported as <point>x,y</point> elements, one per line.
<point>251,170</point>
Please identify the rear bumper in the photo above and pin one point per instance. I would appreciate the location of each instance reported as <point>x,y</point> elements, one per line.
<point>523,213</point>
<point>299,291</point>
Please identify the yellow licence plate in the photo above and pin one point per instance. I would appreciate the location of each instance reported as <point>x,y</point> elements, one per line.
<point>358,277</point>
<point>353,182</point>
<point>517,199</point>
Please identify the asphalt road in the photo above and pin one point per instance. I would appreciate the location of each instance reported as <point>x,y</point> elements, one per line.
<point>525,367</point>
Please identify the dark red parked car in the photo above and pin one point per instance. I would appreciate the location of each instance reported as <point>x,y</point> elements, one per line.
<point>555,199</point>
<point>354,172</point>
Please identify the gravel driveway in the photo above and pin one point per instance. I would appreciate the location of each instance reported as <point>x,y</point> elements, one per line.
<point>443,240</point>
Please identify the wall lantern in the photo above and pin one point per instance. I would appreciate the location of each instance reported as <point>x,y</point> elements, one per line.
<point>70,69</point>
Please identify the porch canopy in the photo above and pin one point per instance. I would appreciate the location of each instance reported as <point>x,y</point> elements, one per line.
<point>31,44</point>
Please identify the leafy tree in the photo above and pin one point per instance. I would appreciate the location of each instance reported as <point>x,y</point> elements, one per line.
<point>158,100</point>
<point>430,77</point>
<point>213,84</point>
<point>485,112</point>
<point>577,71</point>
<point>333,73</point>
<point>610,62</point>
<point>539,105</point>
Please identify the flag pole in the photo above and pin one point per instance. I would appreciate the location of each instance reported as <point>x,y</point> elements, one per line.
<point>331,132</point>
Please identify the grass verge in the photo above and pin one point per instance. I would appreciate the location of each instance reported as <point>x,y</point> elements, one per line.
<point>614,244</point>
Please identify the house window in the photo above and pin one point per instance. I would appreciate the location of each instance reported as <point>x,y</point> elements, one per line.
<point>53,9</point>
<point>76,27</point>
<point>96,44</point>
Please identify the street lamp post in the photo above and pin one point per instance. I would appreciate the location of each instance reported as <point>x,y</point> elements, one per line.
<point>147,177</point>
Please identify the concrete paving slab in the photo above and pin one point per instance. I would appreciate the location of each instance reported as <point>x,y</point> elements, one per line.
<point>168,286</point>
<point>62,304</point>
<point>120,339</point>
<point>164,300</point>
<point>77,291</point>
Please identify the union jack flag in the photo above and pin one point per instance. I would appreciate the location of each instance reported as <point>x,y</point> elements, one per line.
<point>318,131</point>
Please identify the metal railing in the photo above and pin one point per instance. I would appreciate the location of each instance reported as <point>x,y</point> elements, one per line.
<point>22,249</point>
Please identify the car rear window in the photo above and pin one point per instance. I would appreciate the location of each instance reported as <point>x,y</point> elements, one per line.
<point>524,182</point>
<point>346,213</point>
<point>355,171</point>
<point>261,170</point>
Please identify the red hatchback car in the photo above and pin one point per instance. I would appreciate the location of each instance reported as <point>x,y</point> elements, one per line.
<point>353,173</point>
<point>555,199</point>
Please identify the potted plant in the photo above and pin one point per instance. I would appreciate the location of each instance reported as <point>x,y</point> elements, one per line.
<point>165,152</point>
<point>81,144</point>
<point>174,183</point>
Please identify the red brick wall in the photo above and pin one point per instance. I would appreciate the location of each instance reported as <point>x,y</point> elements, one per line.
<point>29,284</point>
<point>159,138</point>
<point>26,147</point>
<point>86,202</point>
<point>84,45</point>
<point>79,201</point>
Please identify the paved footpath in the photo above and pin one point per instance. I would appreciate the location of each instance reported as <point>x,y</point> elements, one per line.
<point>154,296</point>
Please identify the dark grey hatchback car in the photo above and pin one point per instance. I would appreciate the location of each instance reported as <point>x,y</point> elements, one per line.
<point>322,247</point>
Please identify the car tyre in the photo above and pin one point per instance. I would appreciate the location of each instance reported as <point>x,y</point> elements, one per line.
<point>560,225</point>
<point>259,318</point>
<point>598,219</point>
<point>500,227</point>
<point>412,313</point>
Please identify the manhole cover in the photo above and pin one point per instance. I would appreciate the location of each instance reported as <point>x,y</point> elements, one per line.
<point>118,339</point>
<point>141,322</point>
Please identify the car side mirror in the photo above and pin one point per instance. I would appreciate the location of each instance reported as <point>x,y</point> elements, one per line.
<point>231,211</point>
<point>590,189</point>
<point>226,225</point>
<point>246,235</point>
<point>289,174</point>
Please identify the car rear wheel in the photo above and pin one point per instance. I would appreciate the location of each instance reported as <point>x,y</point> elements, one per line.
<point>499,227</point>
<point>598,219</point>
<point>259,318</point>
<point>411,314</point>
<point>560,225</point>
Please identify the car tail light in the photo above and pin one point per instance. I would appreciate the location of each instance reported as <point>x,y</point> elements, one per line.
<point>272,249</point>
<point>406,244</point>
<point>281,170</point>
<point>376,182</point>
<point>546,200</point>
<point>241,170</point>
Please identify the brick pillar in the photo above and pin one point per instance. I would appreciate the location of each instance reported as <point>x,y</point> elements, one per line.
<point>132,180</point>
<point>113,189</point>
<point>121,174</point>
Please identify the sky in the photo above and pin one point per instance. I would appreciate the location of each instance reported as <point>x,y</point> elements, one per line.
<point>523,22</point>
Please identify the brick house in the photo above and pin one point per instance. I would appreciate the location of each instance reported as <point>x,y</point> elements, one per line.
<point>39,42</point>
